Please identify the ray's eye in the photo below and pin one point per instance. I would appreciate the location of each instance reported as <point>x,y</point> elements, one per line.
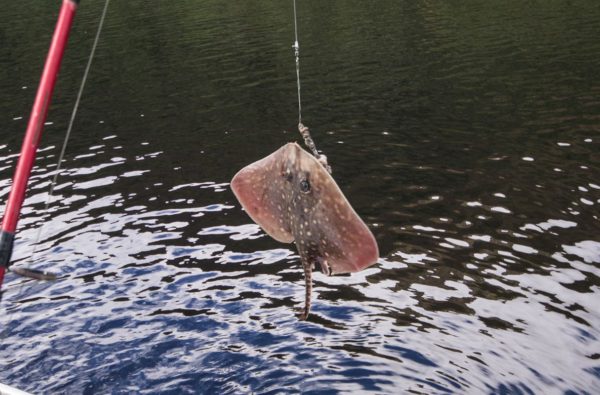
<point>304,186</point>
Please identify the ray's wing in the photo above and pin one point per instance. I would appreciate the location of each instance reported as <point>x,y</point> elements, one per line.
<point>346,243</point>
<point>260,190</point>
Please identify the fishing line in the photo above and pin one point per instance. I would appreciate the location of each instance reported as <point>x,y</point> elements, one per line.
<point>69,128</point>
<point>41,274</point>
<point>296,48</point>
<point>304,131</point>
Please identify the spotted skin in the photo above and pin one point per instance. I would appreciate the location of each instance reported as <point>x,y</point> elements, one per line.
<point>293,198</point>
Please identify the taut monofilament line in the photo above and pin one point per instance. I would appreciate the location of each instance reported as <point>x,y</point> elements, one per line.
<point>296,48</point>
<point>33,134</point>
<point>304,131</point>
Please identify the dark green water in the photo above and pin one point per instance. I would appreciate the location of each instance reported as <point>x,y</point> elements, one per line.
<point>465,134</point>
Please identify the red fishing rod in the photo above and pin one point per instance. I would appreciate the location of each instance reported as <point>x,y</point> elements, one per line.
<point>34,132</point>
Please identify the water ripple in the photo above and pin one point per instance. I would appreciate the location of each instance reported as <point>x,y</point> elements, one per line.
<point>464,135</point>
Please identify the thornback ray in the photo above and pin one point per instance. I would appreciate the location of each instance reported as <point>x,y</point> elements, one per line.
<point>291,196</point>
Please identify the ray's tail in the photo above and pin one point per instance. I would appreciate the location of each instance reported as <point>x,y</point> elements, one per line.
<point>308,285</point>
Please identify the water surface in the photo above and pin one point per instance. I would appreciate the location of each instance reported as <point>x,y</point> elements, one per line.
<point>465,134</point>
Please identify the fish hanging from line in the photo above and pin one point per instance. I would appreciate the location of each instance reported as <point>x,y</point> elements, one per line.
<point>292,196</point>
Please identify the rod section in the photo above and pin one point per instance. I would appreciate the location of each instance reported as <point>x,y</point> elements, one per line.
<point>35,128</point>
